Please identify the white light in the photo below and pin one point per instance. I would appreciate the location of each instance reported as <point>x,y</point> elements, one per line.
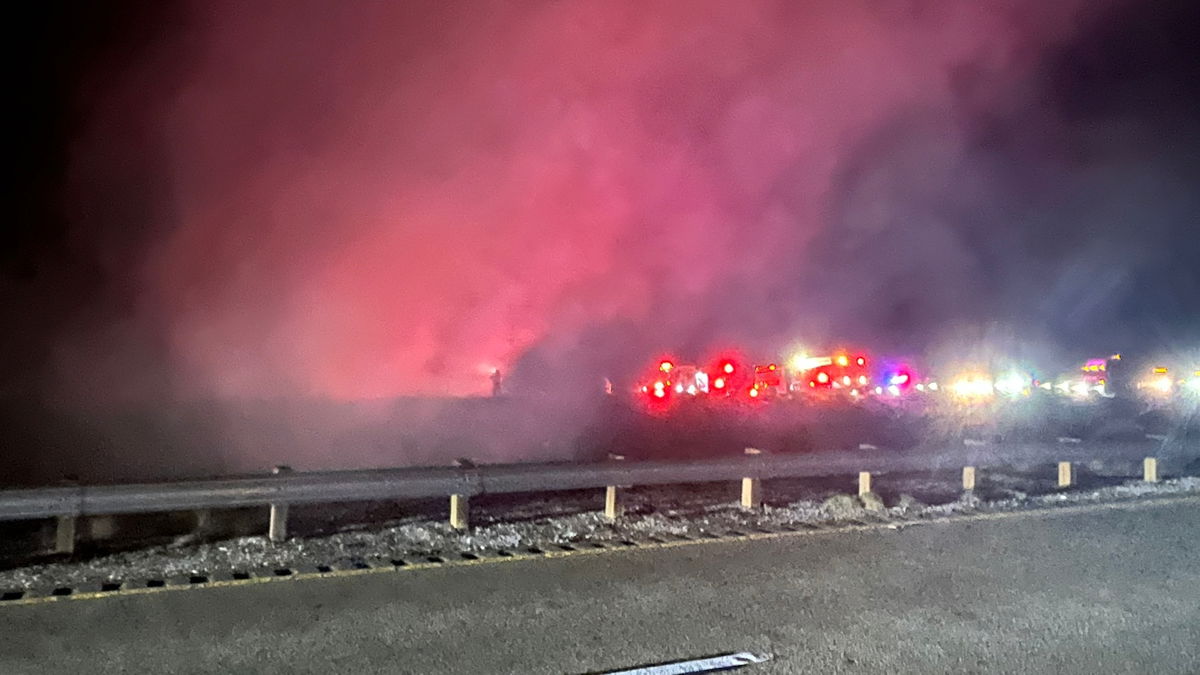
<point>679,389</point>
<point>933,386</point>
<point>973,386</point>
<point>854,393</point>
<point>893,390</point>
<point>862,379</point>
<point>920,387</point>
<point>691,389</point>
<point>846,380</point>
<point>802,362</point>
<point>1012,384</point>
<point>878,390</point>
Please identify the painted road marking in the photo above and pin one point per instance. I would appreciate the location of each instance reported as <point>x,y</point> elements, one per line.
<point>583,549</point>
<point>705,665</point>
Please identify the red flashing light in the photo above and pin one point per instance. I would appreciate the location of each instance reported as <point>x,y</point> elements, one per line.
<point>728,368</point>
<point>753,393</point>
<point>861,361</point>
<point>666,366</point>
<point>719,383</point>
<point>659,393</point>
<point>822,377</point>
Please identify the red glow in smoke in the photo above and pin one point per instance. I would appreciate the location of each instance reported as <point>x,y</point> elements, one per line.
<point>373,199</point>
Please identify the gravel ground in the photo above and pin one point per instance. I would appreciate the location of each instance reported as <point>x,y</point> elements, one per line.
<point>648,513</point>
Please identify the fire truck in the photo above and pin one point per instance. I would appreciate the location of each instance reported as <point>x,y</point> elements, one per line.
<point>1158,384</point>
<point>728,376</point>
<point>1103,375</point>
<point>768,382</point>
<point>670,379</point>
<point>841,373</point>
<point>724,378</point>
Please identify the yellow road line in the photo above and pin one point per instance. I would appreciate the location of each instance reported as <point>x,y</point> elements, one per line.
<point>1066,510</point>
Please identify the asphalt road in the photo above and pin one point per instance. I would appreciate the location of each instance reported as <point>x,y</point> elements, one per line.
<point>1103,591</point>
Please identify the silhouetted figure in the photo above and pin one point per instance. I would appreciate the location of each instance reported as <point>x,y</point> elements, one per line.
<point>497,382</point>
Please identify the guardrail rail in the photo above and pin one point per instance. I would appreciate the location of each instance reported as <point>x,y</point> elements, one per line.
<point>465,480</point>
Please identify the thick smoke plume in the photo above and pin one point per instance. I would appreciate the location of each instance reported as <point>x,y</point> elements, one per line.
<point>364,200</point>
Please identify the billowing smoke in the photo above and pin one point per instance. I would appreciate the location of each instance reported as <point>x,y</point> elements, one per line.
<point>364,200</point>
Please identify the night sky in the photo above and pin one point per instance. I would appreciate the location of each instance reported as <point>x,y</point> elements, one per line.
<point>369,199</point>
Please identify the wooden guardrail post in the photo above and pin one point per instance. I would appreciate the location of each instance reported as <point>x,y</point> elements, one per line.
<point>460,505</point>
<point>612,506</point>
<point>752,486</point>
<point>64,535</point>
<point>968,478</point>
<point>864,482</point>
<point>65,526</point>
<point>460,512</point>
<point>612,509</point>
<point>277,529</point>
<point>1066,474</point>
<point>1150,470</point>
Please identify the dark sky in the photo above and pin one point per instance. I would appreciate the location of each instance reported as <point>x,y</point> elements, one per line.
<point>367,199</point>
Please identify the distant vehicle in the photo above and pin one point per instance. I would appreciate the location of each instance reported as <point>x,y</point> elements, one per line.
<point>1157,384</point>
<point>848,376</point>
<point>769,382</point>
<point>1104,376</point>
<point>670,379</point>
<point>841,373</point>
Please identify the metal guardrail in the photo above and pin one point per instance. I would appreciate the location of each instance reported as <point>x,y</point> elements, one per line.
<point>387,484</point>
<point>429,482</point>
